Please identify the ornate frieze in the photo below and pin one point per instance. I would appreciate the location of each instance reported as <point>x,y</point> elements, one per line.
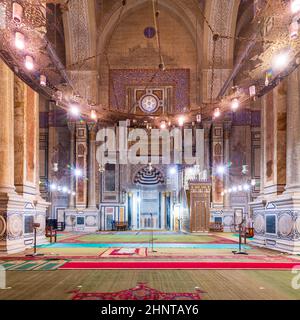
<point>287,224</point>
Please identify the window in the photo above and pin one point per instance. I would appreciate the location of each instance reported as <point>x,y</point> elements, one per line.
<point>271,224</point>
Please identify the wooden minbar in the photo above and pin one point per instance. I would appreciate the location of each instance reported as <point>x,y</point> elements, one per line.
<point>200,198</point>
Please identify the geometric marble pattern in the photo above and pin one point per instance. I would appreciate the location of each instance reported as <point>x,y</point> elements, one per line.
<point>120,79</point>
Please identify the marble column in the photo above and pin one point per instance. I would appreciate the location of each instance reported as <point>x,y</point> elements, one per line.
<point>217,160</point>
<point>276,215</point>
<point>206,127</point>
<point>92,166</point>
<point>274,147</point>
<point>26,139</point>
<point>293,134</point>
<point>11,204</point>
<point>262,154</point>
<point>227,130</point>
<point>7,129</point>
<point>72,126</point>
<point>81,163</point>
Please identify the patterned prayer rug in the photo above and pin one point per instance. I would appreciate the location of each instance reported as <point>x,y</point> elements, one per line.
<point>34,265</point>
<point>140,292</point>
<point>125,253</point>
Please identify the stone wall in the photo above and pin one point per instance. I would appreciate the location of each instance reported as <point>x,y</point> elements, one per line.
<point>129,48</point>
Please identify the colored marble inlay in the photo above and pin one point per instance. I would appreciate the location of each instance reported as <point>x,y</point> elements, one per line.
<point>120,79</point>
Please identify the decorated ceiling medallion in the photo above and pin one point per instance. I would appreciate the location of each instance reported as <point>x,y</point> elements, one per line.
<point>149,103</point>
<point>149,32</point>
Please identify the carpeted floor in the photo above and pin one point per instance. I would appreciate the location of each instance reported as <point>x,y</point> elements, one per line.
<point>175,265</point>
<point>217,284</point>
<point>143,237</point>
<point>32,265</point>
<point>30,278</point>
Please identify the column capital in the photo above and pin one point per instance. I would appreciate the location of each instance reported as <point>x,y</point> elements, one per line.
<point>206,126</point>
<point>92,127</point>
<point>72,126</point>
<point>227,125</point>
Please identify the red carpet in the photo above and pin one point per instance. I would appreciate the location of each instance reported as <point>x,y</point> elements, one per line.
<point>169,265</point>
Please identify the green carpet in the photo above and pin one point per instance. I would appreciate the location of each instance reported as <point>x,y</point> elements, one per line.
<point>38,265</point>
<point>142,238</point>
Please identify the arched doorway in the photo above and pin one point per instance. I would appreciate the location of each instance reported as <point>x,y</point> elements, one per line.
<point>150,204</point>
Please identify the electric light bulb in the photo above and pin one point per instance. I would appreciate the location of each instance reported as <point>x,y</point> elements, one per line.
<point>234,189</point>
<point>93,115</point>
<point>19,41</point>
<point>163,125</point>
<point>43,80</point>
<point>281,60</point>
<point>240,188</point>
<point>267,81</point>
<point>64,189</point>
<point>217,112</point>
<point>221,170</point>
<point>172,171</point>
<point>252,91</point>
<point>253,182</point>
<point>74,110</point>
<point>246,187</point>
<point>235,104</point>
<point>29,63</point>
<point>181,121</point>
<point>77,172</point>
<point>53,187</point>
<point>295,6</point>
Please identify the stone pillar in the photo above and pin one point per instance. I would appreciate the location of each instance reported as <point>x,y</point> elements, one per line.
<point>19,210</point>
<point>81,163</point>
<point>262,154</point>
<point>71,126</point>
<point>206,127</point>
<point>227,130</point>
<point>92,166</point>
<point>293,134</point>
<point>274,148</point>
<point>217,159</point>
<point>276,215</point>
<point>7,129</point>
<point>11,205</point>
<point>26,124</point>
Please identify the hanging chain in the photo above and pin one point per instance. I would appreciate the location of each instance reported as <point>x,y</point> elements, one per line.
<point>215,39</point>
